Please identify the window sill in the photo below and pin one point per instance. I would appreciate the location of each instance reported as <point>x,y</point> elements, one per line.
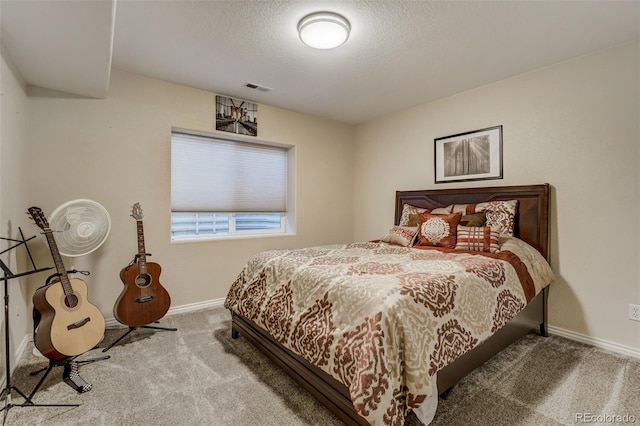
<point>209,238</point>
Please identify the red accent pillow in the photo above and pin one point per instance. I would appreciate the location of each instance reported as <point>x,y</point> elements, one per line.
<point>438,230</point>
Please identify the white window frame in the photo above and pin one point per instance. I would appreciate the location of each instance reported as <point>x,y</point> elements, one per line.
<point>287,219</point>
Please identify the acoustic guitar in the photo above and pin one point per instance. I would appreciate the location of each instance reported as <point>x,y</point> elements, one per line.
<point>143,300</point>
<point>69,325</point>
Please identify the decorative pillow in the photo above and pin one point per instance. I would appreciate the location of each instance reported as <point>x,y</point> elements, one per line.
<point>501,214</point>
<point>407,211</point>
<point>414,220</point>
<point>478,238</point>
<point>401,235</point>
<point>475,219</point>
<point>442,210</point>
<point>438,230</point>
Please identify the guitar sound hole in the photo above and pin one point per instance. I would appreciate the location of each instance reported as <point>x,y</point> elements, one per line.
<point>71,300</point>
<point>143,280</point>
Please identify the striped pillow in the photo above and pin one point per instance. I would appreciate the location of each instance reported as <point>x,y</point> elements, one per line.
<point>478,238</point>
<point>498,213</point>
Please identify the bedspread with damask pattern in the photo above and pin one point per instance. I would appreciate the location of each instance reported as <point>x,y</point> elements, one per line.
<point>382,319</point>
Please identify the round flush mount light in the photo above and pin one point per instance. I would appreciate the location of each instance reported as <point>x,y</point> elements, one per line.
<point>324,30</point>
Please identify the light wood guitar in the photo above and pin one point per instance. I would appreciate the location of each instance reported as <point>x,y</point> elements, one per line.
<point>70,325</point>
<point>143,300</point>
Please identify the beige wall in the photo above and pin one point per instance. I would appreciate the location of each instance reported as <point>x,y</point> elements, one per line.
<point>14,169</point>
<point>574,125</point>
<point>116,151</point>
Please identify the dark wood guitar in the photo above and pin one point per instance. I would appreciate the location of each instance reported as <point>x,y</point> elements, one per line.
<point>143,300</point>
<point>70,325</point>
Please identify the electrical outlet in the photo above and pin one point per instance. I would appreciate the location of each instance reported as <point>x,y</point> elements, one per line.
<point>634,312</point>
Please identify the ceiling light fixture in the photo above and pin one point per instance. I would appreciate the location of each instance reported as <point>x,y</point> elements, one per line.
<point>324,30</point>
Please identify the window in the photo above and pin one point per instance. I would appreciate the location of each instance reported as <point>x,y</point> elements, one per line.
<point>226,188</point>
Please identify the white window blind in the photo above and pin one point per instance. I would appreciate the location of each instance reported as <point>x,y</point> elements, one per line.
<point>211,174</point>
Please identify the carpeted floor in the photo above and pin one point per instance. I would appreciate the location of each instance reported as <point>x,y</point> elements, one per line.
<point>198,375</point>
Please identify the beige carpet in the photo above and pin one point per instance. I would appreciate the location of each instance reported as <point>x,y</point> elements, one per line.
<point>198,375</point>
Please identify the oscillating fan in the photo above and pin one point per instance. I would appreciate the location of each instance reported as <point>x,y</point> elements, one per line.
<point>80,227</point>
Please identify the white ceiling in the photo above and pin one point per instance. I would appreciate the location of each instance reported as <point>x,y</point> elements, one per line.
<point>400,53</point>
<point>58,45</point>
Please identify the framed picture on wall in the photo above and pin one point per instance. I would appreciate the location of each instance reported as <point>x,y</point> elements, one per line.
<point>236,116</point>
<point>475,155</point>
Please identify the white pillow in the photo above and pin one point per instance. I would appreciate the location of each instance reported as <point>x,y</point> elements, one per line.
<point>401,235</point>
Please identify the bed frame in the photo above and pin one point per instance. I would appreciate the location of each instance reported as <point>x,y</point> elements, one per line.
<point>532,226</point>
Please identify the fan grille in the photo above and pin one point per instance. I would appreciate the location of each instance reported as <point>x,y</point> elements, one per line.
<point>79,227</point>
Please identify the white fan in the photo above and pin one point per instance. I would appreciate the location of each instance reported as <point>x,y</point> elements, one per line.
<point>79,227</point>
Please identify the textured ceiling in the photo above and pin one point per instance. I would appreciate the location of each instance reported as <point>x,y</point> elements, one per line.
<point>400,53</point>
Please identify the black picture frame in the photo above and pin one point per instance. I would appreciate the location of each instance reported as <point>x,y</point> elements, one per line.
<point>469,156</point>
<point>236,116</point>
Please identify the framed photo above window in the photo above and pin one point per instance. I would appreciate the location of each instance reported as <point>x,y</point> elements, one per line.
<point>236,116</point>
<point>475,155</point>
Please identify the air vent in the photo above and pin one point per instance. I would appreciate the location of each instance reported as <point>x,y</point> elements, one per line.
<point>258,87</point>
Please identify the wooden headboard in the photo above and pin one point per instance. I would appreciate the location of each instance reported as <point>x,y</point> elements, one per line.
<point>532,218</point>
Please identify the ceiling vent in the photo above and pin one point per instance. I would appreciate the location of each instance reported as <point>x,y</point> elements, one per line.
<point>258,87</point>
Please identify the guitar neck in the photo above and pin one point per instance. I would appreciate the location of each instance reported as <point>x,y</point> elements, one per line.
<point>57,260</point>
<point>142,254</point>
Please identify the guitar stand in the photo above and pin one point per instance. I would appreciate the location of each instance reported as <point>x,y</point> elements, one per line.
<point>28,400</point>
<point>131,329</point>
<point>70,376</point>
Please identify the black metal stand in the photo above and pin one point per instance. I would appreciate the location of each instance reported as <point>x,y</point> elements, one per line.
<point>70,375</point>
<point>9,388</point>
<point>132,329</point>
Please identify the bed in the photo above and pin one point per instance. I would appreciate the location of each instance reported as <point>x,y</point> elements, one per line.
<point>332,381</point>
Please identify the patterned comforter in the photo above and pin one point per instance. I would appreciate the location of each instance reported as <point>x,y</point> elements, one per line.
<point>382,319</point>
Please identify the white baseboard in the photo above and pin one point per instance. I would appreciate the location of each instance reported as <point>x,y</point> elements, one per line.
<point>594,341</point>
<point>18,356</point>
<point>191,307</point>
<point>21,348</point>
